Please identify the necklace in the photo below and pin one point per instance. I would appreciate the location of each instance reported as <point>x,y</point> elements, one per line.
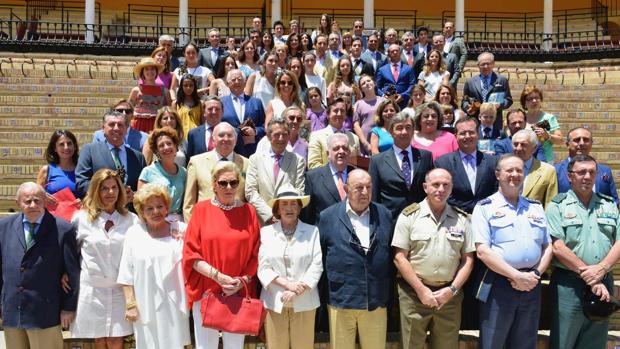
<point>216,202</point>
<point>289,232</point>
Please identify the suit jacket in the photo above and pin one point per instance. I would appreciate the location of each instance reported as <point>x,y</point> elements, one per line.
<point>323,192</point>
<point>406,80</point>
<point>197,144</point>
<point>317,147</point>
<point>499,83</point>
<point>254,111</point>
<point>604,179</point>
<point>199,185</point>
<point>31,294</point>
<point>95,156</point>
<point>205,59</point>
<point>260,186</point>
<point>135,139</point>
<point>355,279</point>
<point>388,182</point>
<point>504,146</point>
<point>486,182</point>
<point>452,65</point>
<point>541,182</point>
<point>459,48</point>
<point>368,57</point>
<point>328,72</point>
<point>416,47</point>
<point>362,66</point>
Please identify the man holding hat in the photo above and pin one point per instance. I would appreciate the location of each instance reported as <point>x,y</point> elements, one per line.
<point>584,225</point>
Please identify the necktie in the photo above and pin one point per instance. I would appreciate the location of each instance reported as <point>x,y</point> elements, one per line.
<point>395,71</point>
<point>238,108</point>
<point>210,145</point>
<point>377,56</point>
<point>30,235</point>
<point>276,167</point>
<point>117,157</point>
<point>487,133</point>
<point>485,88</point>
<point>409,58</point>
<point>108,225</point>
<point>340,186</point>
<point>470,168</point>
<point>406,168</point>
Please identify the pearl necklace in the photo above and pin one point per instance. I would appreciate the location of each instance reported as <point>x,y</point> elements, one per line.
<point>216,202</point>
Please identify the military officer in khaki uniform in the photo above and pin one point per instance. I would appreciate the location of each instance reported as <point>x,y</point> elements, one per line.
<point>434,255</point>
<point>584,227</point>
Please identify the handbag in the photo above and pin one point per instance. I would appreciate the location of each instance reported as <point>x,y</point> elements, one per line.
<point>235,314</point>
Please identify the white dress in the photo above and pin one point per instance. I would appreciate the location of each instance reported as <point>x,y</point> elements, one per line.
<point>101,303</point>
<point>262,89</point>
<point>200,73</point>
<point>153,268</point>
<point>432,82</point>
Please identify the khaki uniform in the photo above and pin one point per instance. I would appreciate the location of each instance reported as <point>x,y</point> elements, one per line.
<point>435,250</point>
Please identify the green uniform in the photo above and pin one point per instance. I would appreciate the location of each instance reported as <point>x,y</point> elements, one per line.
<point>589,232</point>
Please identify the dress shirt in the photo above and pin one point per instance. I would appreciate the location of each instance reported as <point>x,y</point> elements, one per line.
<point>469,168</point>
<point>361,225</point>
<point>122,154</point>
<point>239,104</point>
<point>527,166</point>
<point>399,157</point>
<point>225,158</point>
<point>208,132</point>
<point>215,53</point>
<point>345,174</point>
<point>26,224</point>
<point>446,46</point>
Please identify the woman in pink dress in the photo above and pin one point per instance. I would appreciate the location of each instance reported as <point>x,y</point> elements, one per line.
<point>428,135</point>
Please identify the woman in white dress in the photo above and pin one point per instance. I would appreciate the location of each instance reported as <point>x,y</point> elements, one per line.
<point>101,229</point>
<point>151,273</point>
<point>434,74</point>
<point>287,95</point>
<point>261,83</point>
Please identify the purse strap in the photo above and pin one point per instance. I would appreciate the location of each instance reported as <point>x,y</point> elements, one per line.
<point>245,288</point>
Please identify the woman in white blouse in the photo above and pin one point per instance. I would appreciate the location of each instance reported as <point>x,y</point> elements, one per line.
<point>101,229</point>
<point>289,268</point>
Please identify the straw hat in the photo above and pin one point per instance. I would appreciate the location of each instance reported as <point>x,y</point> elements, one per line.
<point>287,192</point>
<point>147,62</point>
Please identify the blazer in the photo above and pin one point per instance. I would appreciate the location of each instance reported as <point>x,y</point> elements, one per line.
<point>135,139</point>
<point>604,179</point>
<point>197,144</point>
<point>355,279</point>
<point>504,146</point>
<point>388,182</point>
<point>199,186</point>
<point>499,83</point>
<point>31,294</point>
<point>205,59</point>
<point>95,156</point>
<point>416,47</point>
<point>368,57</point>
<point>486,182</point>
<point>406,80</point>
<point>328,72</point>
<point>260,186</point>
<point>321,188</point>
<point>451,62</point>
<point>459,48</point>
<point>306,265</point>
<point>541,183</point>
<point>362,66</point>
<point>317,146</point>
<point>254,111</point>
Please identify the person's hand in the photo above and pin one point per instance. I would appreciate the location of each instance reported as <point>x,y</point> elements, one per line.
<point>295,287</point>
<point>248,131</point>
<point>600,290</point>
<point>64,283</point>
<point>367,147</point>
<point>443,296</point>
<point>66,318</point>
<point>524,281</point>
<point>427,298</point>
<point>470,110</point>
<point>230,285</point>
<point>50,199</point>
<point>132,314</point>
<point>288,296</point>
<point>541,133</point>
<point>398,99</point>
<point>592,274</point>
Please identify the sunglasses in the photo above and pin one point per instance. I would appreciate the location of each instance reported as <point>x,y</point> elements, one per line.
<point>225,184</point>
<point>124,111</point>
<point>286,83</point>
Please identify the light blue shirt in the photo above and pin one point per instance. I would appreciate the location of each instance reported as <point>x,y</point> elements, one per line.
<point>175,184</point>
<point>518,234</point>
<point>345,174</point>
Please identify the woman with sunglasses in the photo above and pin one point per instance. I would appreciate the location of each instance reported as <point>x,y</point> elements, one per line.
<point>287,95</point>
<point>221,247</point>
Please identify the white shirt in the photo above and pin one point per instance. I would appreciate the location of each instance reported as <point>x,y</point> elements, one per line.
<point>239,104</point>
<point>361,225</point>
<point>446,46</point>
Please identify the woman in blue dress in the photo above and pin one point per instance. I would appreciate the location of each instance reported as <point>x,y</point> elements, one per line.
<point>380,138</point>
<point>61,156</point>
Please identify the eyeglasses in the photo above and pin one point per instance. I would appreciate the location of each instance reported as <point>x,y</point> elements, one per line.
<point>225,184</point>
<point>357,26</point>
<point>296,118</point>
<point>124,111</point>
<point>286,83</point>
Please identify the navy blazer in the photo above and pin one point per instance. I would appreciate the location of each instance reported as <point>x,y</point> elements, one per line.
<point>406,80</point>
<point>499,83</point>
<point>356,280</point>
<point>504,146</point>
<point>32,297</point>
<point>197,144</point>
<point>388,182</point>
<point>135,139</point>
<point>486,182</point>
<point>604,179</point>
<point>95,156</point>
<point>253,110</point>
<point>321,187</point>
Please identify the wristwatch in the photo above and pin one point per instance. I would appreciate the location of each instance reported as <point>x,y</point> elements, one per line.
<point>454,290</point>
<point>536,272</point>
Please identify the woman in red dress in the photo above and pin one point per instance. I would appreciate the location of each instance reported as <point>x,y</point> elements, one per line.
<point>221,246</point>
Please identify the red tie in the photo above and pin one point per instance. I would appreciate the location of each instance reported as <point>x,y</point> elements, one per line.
<point>210,145</point>
<point>340,186</point>
<point>409,58</point>
<point>395,71</point>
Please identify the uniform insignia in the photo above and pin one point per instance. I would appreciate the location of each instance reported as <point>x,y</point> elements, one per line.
<point>570,215</point>
<point>606,197</point>
<point>559,198</point>
<point>461,211</point>
<point>456,232</point>
<point>535,218</point>
<point>407,211</point>
<point>498,214</point>
<point>485,201</point>
<point>534,201</point>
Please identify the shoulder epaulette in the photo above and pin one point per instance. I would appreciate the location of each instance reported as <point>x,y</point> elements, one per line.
<point>606,197</point>
<point>461,211</point>
<point>407,211</point>
<point>485,201</point>
<point>559,198</point>
<point>534,201</point>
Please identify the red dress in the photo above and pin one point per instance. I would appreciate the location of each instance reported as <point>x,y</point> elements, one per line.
<point>227,240</point>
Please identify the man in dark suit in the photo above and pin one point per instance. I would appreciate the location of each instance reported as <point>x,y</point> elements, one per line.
<point>239,108</point>
<point>372,54</point>
<point>210,57</point>
<point>37,249</point>
<point>325,184</point>
<point>423,45</point>
<point>487,87</point>
<point>450,59</point>
<point>114,154</point>
<point>396,74</point>
<point>473,171</point>
<point>134,138</point>
<point>360,66</point>
<point>515,122</point>
<point>398,177</point>
<point>579,142</point>
<point>200,139</point>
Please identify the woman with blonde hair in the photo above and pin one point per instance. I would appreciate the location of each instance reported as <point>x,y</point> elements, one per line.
<point>102,226</point>
<point>287,95</point>
<point>344,83</point>
<point>434,74</point>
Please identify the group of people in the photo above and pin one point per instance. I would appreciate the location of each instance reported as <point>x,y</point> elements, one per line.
<point>200,183</point>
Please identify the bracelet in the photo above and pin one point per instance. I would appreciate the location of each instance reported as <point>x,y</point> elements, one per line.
<point>604,267</point>
<point>131,305</point>
<point>454,290</point>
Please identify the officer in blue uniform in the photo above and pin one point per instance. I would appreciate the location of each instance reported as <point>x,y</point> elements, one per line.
<point>513,243</point>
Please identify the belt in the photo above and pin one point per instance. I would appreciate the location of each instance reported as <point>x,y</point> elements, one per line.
<point>439,287</point>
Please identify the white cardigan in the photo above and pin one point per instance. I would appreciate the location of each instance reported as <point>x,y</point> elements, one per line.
<point>306,265</point>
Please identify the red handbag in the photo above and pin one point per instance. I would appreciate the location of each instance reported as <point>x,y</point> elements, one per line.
<point>235,314</point>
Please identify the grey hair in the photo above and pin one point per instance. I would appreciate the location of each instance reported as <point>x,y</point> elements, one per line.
<point>165,38</point>
<point>279,120</point>
<point>407,34</point>
<point>334,137</point>
<point>29,185</point>
<point>486,53</point>
<point>531,135</point>
<point>234,71</point>
<point>224,124</point>
<point>400,117</point>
